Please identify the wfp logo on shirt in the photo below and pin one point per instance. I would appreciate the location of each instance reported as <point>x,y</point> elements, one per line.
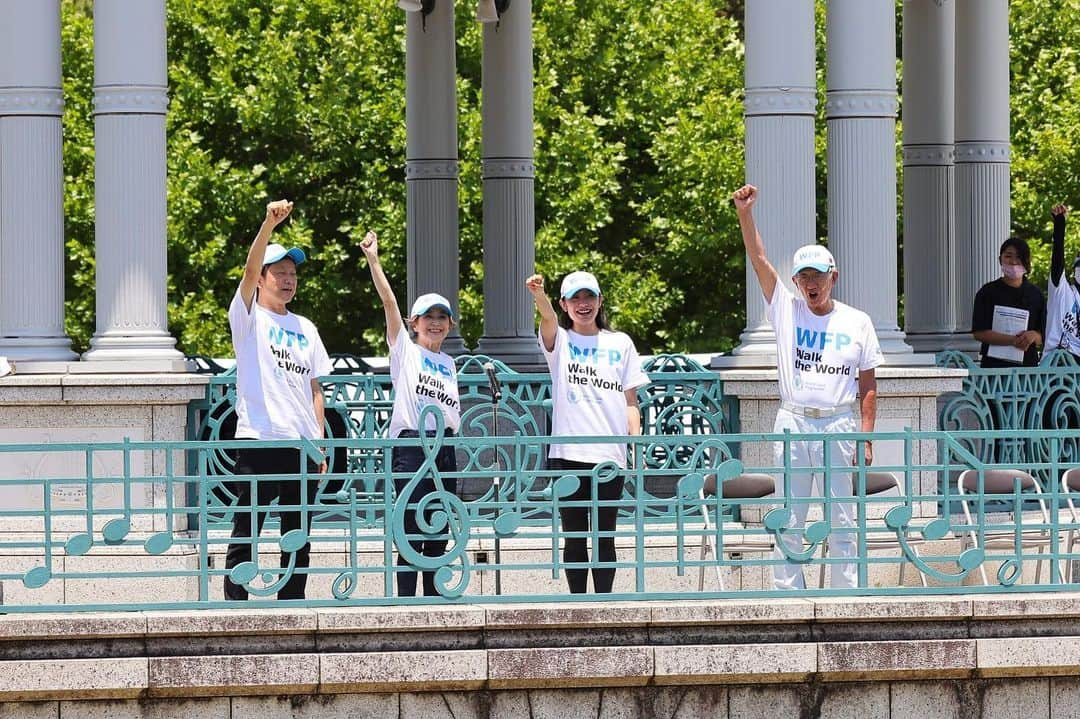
<point>436,369</point>
<point>594,355</point>
<point>814,340</point>
<point>280,336</point>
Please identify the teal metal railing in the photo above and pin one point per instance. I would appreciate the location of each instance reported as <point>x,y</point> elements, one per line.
<point>1008,401</point>
<point>136,525</point>
<point>129,525</point>
<point>682,398</point>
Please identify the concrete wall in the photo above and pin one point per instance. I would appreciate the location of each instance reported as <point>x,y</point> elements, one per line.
<point>948,656</point>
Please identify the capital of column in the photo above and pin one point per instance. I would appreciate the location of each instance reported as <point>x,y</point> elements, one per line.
<point>130,100</point>
<point>431,170</point>
<point>860,103</point>
<point>507,168</point>
<point>781,101</point>
<point>982,152</point>
<point>929,155</point>
<point>42,101</point>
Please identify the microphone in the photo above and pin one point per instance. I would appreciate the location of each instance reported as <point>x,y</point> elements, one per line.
<point>493,382</point>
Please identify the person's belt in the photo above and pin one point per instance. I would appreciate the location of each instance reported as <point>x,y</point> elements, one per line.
<point>817,412</point>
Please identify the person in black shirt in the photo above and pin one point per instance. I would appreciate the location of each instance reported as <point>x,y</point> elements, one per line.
<point>1012,289</point>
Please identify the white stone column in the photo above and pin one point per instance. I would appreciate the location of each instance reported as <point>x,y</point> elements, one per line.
<point>860,112</point>
<point>507,167</point>
<point>930,254</point>
<point>130,101</point>
<point>982,146</point>
<point>31,183</point>
<point>431,158</point>
<point>781,101</point>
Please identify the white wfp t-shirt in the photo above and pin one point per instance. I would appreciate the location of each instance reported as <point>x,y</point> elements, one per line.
<point>1063,314</point>
<point>277,356</point>
<point>818,358</point>
<point>589,374</point>
<point>421,378</point>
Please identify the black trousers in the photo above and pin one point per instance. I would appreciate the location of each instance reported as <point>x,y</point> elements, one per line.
<point>258,463</point>
<point>409,459</point>
<point>576,519</point>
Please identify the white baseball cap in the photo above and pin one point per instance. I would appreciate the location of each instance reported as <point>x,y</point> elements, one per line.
<point>577,281</point>
<point>277,253</point>
<point>426,302</point>
<point>813,257</point>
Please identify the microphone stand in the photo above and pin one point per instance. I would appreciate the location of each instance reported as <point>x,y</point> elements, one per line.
<point>496,397</point>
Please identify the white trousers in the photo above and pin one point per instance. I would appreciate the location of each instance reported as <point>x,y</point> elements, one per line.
<point>809,455</point>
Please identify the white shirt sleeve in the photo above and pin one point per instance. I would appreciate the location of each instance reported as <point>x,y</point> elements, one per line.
<point>241,318</point>
<point>871,356</point>
<point>320,360</point>
<point>398,351</point>
<point>552,357</point>
<point>633,376</point>
<point>779,309</point>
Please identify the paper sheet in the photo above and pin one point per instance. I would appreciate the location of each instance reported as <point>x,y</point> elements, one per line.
<point>1008,321</point>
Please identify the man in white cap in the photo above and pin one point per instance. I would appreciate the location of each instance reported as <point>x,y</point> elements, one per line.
<point>826,353</point>
<point>279,358</point>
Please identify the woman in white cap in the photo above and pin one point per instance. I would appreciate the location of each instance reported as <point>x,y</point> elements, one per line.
<point>826,353</point>
<point>423,375</point>
<point>595,374</point>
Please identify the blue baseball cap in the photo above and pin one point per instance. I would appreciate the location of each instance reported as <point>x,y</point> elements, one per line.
<point>277,253</point>
<point>424,303</point>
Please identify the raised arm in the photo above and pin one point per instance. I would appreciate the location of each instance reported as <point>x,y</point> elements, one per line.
<point>370,246</point>
<point>745,197</point>
<point>1057,253</point>
<point>276,212</point>
<point>549,321</point>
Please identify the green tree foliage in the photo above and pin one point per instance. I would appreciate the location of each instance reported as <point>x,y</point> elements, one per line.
<point>639,141</point>
<point>1045,104</point>
<point>638,135</point>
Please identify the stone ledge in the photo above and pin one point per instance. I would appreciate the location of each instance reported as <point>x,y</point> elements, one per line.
<point>873,609</point>
<point>574,667</point>
<point>1028,656</point>
<point>231,622</point>
<point>735,663</point>
<point>72,626</point>
<point>403,671</point>
<point>583,615</point>
<point>733,611</point>
<point>915,659</point>
<point>399,619</point>
<point>233,675</point>
<point>1004,606</point>
<point>274,648</point>
<point>55,679</point>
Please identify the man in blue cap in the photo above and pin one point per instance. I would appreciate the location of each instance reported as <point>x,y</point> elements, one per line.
<point>279,359</point>
<point>826,353</point>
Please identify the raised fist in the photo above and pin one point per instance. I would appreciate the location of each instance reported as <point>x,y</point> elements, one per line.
<point>744,198</point>
<point>535,285</point>
<point>277,211</point>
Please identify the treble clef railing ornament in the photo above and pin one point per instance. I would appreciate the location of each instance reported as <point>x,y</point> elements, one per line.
<point>439,513</point>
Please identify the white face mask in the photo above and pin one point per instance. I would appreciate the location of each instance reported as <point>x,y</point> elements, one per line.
<point>1013,272</point>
